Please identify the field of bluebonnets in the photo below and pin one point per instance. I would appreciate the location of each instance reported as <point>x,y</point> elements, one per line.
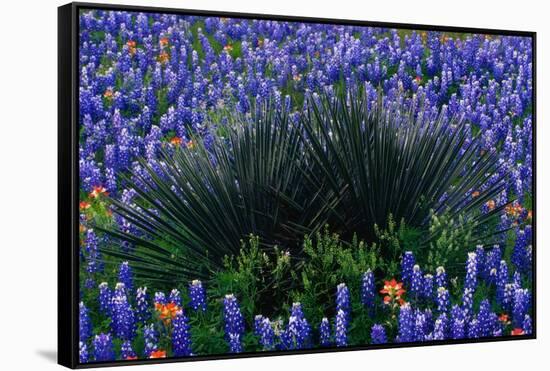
<point>253,185</point>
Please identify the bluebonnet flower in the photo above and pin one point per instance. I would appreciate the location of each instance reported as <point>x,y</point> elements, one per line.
<point>458,325</point>
<point>521,257</point>
<point>266,334</point>
<point>103,348</point>
<point>181,339</point>
<point>234,323</point>
<point>416,282</point>
<point>508,296</point>
<point>428,287</point>
<point>324,333</point>
<point>485,318</point>
<point>440,327</point>
<point>474,328</point>
<point>126,351</point>
<point>298,331</point>
<point>470,282</point>
<point>420,326</point>
<point>258,318</point>
<point>197,295</point>
<point>492,261</point>
<point>522,302</point>
<point>125,276</point>
<point>480,259</point>
<point>340,329</point>
<point>85,324</point>
<point>527,325</point>
<point>368,290</point>
<point>407,264</point>
<point>378,334</point>
<point>468,301</point>
<point>83,355</point>
<point>150,339</point>
<point>440,277</point>
<point>160,298</point>
<point>175,297</point>
<point>442,300</point>
<point>105,298</point>
<point>343,300</point>
<point>405,324</point>
<point>143,312</point>
<point>502,281</point>
<point>122,314</point>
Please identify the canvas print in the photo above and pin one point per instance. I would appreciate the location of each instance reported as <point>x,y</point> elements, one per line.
<point>258,186</point>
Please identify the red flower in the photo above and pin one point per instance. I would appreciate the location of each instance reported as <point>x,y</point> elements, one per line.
<point>176,141</point>
<point>163,57</point>
<point>158,354</point>
<point>517,332</point>
<point>163,42</point>
<point>167,312</point>
<point>504,318</point>
<point>418,79</point>
<point>84,205</point>
<point>130,358</point>
<point>490,204</point>
<point>393,291</point>
<point>99,190</point>
<point>131,46</point>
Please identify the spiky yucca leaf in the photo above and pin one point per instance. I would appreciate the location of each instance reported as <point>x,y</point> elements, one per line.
<point>385,159</point>
<point>196,204</point>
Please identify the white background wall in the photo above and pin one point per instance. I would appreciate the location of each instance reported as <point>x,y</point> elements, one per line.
<point>28,181</point>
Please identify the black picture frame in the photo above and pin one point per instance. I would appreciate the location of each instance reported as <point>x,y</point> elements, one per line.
<point>68,179</point>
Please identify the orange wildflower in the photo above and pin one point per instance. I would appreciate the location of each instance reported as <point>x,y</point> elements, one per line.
<point>190,144</point>
<point>393,291</point>
<point>158,354</point>
<point>163,42</point>
<point>167,312</point>
<point>84,205</point>
<point>228,48</point>
<point>163,57</point>
<point>131,46</point>
<point>176,141</point>
<point>475,194</point>
<point>108,93</point>
<point>514,210</point>
<point>517,332</point>
<point>504,318</point>
<point>490,204</point>
<point>130,358</point>
<point>97,191</point>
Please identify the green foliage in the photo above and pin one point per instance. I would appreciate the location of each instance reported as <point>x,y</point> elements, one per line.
<point>329,262</point>
<point>261,279</point>
<point>451,240</point>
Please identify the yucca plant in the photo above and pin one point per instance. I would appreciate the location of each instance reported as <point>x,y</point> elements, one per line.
<point>196,205</point>
<point>384,158</point>
<point>348,162</point>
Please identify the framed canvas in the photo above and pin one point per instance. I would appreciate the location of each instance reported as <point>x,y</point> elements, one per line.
<point>237,185</point>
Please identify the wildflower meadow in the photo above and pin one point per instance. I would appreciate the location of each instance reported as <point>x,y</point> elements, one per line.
<point>254,185</point>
